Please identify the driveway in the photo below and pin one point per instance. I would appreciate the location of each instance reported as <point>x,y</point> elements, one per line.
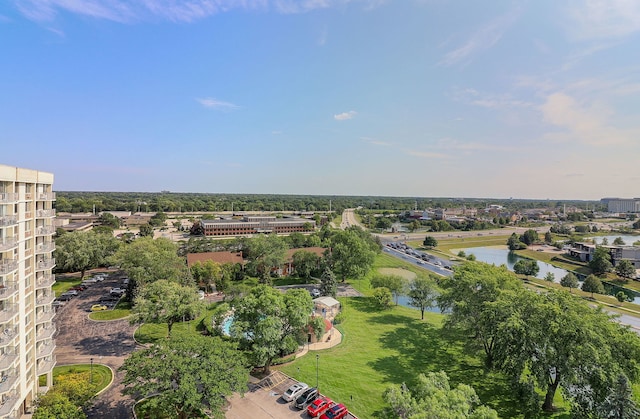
<point>109,343</point>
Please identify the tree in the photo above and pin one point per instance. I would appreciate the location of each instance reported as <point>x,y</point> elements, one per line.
<point>625,269</point>
<point>422,294</point>
<point>527,267</point>
<point>593,285</point>
<point>619,404</point>
<point>269,324</point>
<point>394,283</point>
<point>352,253</point>
<point>601,262</point>
<point>55,405</point>
<point>197,229</point>
<point>430,241</point>
<point>636,225</point>
<point>146,230</point>
<point>605,241</point>
<point>529,237</point>
<point>80,251</point>
<point>433,397</point>
<point>618,241</point>
<point>548,238</point>
<point>305,263</point>
<point>550,277</point>
<point>328,283</point>
<point>146,260</point>
<point>266,252</point>
<point>186,375</point>
<point>167,302</point>
<point>382,297</point>
<point>467,294</point>
<point>208,274</point>
<point>110,220</point>
<point>621,297</point>
<point>569,281</point>
<point>514,242</point>
<point>158,219</point>
<point>561,342</point>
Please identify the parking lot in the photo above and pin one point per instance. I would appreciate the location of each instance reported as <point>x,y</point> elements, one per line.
<point>264,401</point>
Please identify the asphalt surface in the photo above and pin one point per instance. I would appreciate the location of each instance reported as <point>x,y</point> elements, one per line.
<point>109,343</point>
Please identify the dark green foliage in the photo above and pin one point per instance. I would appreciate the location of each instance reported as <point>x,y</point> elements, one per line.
<point>593,285</point>
<point>527,267</point>
<point>430,241</point>
<point>601,262</point>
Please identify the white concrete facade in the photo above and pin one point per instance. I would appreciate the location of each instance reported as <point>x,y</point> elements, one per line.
<point>26,263</point>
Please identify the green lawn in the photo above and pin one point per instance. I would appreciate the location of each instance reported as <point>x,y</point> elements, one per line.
<point>120,311</point>
<point>150,332</point>
<point>393,346</point>
<point>100,375</point>
<point>63,283</point>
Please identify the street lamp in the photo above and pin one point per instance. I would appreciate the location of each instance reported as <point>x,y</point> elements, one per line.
<point>91,372</point>
<point>317,361</point>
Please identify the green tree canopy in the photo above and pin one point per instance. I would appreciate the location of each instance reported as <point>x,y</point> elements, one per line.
<point>527,267</point>
<point>209,275</point>
<point>56,405</point>
<point>601,262</point>
<point>79,251</point>
<point>422,293</point>
<point>187,375</point>
<point>305,263</point>
<point>328,283</point>
<point>593,285</point>
<point>625,269</point>
<point>394,283</point>
<point>569,281</point>
<point>265,252</point>
<point>352,252</point>
<point>433,397</point>
<point>430,241</point>
<point>268,323</point>
<point>167,302</point>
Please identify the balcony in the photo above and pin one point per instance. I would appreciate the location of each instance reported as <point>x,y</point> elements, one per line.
<point>8,312</point>
<point>45,213</point>
<point>7,266</point>
<point>7,336</point>
<point>7,243</point>
<point>7,289</point>
<point>45,281</point>
<point>46,365</point>
<point>8,198</point>
<point>45,299</point>
<point>8,404</point>
<point>45,316</point>
<point>45,231</point>
<point>45,349</point>
<point>7,360</point>
<point>8,379</point>
<point>8,220</point>
<point>47,196</point>
<point>45,247</point>
<point>45,333</point>
<point>45,264</point>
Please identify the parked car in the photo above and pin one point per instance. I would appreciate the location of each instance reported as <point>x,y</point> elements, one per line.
<point>315,293</point>
<point>57,303</point>
<point>71,292</point>
<point>201,295</point>
<point>108,298</point>
<point>117,291</point>
<point>304,399</point>
<point>78,288</point>
<point>89,281</point>
<point>98,307</point>
<point>318,406</point>
<point>337,411</point>
<point>294,391</point>
<point>64,297</point>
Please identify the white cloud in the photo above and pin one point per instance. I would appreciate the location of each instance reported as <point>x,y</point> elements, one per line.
<point>426,154</point>
<point>600,19</point>
<point>581,123</point>
<point>472,96</point>
<point>375,142</point>
<point>213,103</point>
<point>345,115</point>
<point>482,39</point>
<point>171,10</point>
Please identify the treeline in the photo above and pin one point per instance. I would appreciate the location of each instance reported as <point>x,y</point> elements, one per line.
<point>201,202</point>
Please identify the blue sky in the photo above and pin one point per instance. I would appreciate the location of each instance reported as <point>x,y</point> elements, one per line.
<point>523,99</point>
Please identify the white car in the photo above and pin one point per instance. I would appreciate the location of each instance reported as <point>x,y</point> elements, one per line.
<point>315,293</point>
<point>294,391</point>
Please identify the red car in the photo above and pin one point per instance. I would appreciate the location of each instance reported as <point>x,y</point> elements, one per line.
<point>337,411</point>
<point>319,406</point>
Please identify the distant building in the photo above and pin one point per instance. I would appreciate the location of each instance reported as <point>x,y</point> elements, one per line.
<point>249,225</point>
<point>617,205</point>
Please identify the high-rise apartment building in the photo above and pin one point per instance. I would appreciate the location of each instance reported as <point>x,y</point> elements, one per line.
<point>26,261</point>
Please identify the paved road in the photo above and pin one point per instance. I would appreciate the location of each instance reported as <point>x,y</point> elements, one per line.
<point>80,339</point>
<point>420,263</point>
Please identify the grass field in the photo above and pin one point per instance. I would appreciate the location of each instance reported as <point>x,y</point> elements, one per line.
<point>120,311</point>
<point>150,332</point>
<point>393,346</point>
<point>63,283</point>
<point>98,376</point>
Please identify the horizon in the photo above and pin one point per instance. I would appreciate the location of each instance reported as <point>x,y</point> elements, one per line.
<point>344,97</point>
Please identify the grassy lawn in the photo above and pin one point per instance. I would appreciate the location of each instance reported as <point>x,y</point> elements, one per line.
<point>150,333</point>
<point>100,376</point>
<point>63,283</point>
<point>380,348</point>
<point>120,311</point>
